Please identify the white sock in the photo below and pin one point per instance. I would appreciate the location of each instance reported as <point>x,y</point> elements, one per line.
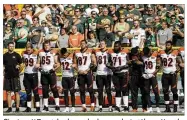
<point>118,101</point>
<point>126,101</point>
<point>176,102</point>
<point>100,106</point>
<point>67,108</point>
<point>37,104</point>
<point>92,104</point>
<point>150,109</point>
<point>46,102</point>
<point>166,102</point>
<point>84,105</point>
<point>110,106</point>
<point>57,101</point>
<point>29,104</point>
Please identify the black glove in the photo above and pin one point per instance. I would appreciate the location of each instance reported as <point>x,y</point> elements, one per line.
<point>92,67</point>
<point>51,71</point>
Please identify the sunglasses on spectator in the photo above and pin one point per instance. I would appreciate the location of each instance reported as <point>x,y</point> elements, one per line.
<point>150,10</point>
<point>23,14</point>
<point>76,11</point>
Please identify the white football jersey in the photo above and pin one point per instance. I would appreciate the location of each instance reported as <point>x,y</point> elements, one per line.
<point>66,66</point>
<point>181,50</point>
<point>102,60</point>
<point>135,41</point>
<point>150,63</point>
<point>47,59</point>
<point>30,61</point>
<point>83,59</point>
<point>169,61</point>
<point>119,59</point>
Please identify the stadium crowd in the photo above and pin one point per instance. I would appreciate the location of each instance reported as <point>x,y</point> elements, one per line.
<point>66,25</point>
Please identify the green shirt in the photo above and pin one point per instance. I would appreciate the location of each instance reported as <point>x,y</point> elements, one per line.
<point>130,20</point>
<point>16,34</point>
<point>151,40</point>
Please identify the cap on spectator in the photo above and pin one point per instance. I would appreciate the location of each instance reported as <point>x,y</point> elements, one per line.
<point>122,16</point>
<point>181,16</point>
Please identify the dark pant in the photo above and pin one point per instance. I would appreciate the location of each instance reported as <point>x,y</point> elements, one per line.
<point>30,83</point>
<point>169,80</point>
<point>135,83</point>
<point>101,81</point>
<point>46,80</point>
<point>12,84</point>
<point>68,83</point>
<point>147,84</point>
<point>120,81</point>
<point>82,81</point>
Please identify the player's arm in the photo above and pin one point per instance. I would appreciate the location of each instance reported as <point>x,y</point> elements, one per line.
<point>37,66</point>
<point>179,64</point>
<point>75,62</point>
<point>94,61</point>
<point>57,62</point>
<point>158,66</point>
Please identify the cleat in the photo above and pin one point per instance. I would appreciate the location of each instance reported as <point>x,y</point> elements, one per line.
<point>134,110</point>
<point>158,110</point>
<point>57,109</point>
<point>66,110</point>
<point>72,110</point>
<point>28,109</point>
<point>110,110</point>
<point>117,109</point>
<point>17,110</point>
<point>92,109</point>
<point>9,110</point>
<point>149,111</point>
<point>126,109</point>
<point>84,109</point>
<point>37,109</point>
<point>167,109</point>
<point>175,108</point>
<point>100,110</point>
<point>46,109</point>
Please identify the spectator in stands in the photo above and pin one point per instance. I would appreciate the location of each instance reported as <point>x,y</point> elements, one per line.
<point>26,21</point>
<point>157,24</point>
<point>63,39</point>
<point>112,10</point>
<point>100,10</point>
<point>150,37</point>
<point>69,10</point>
<point>79,16</point>
<point>161,11</point>
<point>137,35</point>
<point>149,18</point>
<point>109,36</point>
<point>28,9</point>
<point>89,10</point>
<point>75,37</point>
<point>44,26</point>
<point>103,20</point>
<point>15,11</point>
<point>49,20</point>
<point>9,19</point>
<point>28,16</point>
<point>55,10</point>
<point>121,10</point>
<point>52,37</point>
<point>91,24</point>
<point>7,35</point>
<point>92,41</point>
<point>64,22</point>
<point>131,13</point>
<point>21,33</point>
<point>163,35</point>
<point>140,8</point>
<point>121,29</point>
<point>36,34</point>
<point>41,11</point>
<point>179,32</point>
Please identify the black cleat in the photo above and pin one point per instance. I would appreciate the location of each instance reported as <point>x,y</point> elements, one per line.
<point>28,109</point>
<point>37,109</point>
<point>175,108</point>
<point>100,110</point>
<point>9,110</point>
<point>17,110</point>
<point>57,109</point>
<point>126,109</point>
<point>167,109</point>
<point>46,109</point>
<point>118,109</point>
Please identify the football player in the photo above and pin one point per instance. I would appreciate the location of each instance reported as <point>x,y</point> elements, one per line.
<point>151,67</point>
<point>85,62</point>
<point>103,77</point>
<point>68,79</point>
<point>30,80</point>
<point>48,63</point>
<point>118,64</point>
<point>169,62</point>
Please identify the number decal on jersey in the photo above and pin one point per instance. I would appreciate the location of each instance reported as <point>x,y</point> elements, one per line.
<point>115,60</point>
<point>167,62</point>
<point>100,59</point>
<point>148,64</point>
<point>45,60</point>
<point>29,62</point>
<point>65,65</point>
<point>82,60</point>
